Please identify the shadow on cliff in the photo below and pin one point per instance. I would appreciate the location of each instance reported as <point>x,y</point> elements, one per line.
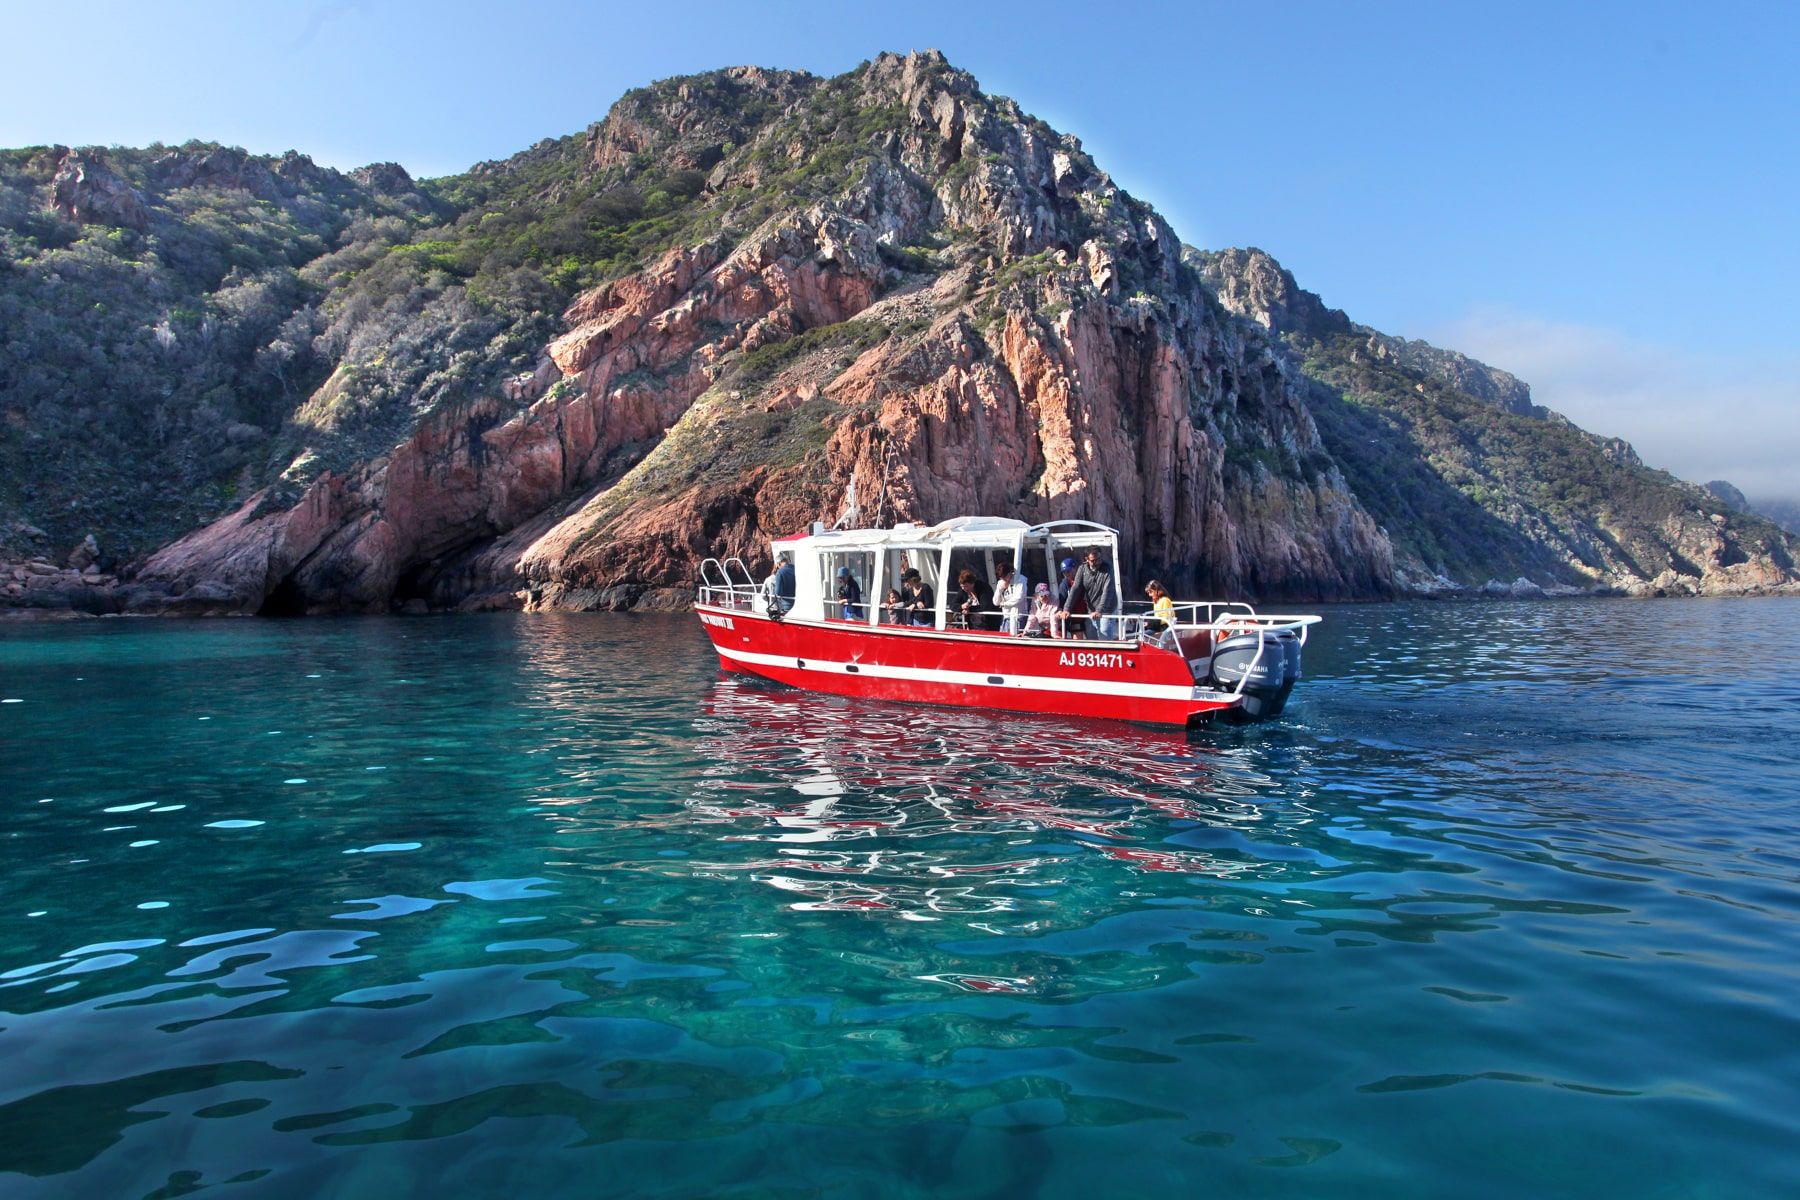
<point>1425,516</point>
<point>285,599</point>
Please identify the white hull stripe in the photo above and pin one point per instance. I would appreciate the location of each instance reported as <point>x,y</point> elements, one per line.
<point>1033,683</point>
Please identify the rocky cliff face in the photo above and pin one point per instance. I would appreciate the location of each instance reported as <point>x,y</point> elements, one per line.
<point>1252,285</point>
<point>965,316</point>
<point>157,330</point>
<point>86,190</point>
<point>696,325</point>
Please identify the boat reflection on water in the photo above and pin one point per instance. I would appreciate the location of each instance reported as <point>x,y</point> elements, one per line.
<point>923,812</point>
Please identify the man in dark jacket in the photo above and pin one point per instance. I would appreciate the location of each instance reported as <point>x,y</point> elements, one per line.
<point>1093,579</point>
<point>784,580</point>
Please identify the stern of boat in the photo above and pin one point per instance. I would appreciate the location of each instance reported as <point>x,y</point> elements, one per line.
<point>1251,660</point>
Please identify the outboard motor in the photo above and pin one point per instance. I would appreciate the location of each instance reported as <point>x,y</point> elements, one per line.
<point>1271,676</point>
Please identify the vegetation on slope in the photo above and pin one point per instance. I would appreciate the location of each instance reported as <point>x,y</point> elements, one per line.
<point>144,371</point>
<point>1475,491</point>
<point>1468,477</point>
<point>267,325</point>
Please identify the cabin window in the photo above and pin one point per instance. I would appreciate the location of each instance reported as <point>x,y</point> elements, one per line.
<point>965,558</point>
<point>1076,548</point>
<point>860,564</point>
<point>1037,562</point>
<point>898,560</point>
<point>985,562</point>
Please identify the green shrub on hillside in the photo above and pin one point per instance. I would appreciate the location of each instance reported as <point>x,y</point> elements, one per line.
<point>765,362</point>
<point>1478,491</point>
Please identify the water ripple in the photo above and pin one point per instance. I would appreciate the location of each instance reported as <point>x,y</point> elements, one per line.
<point>577,903</point>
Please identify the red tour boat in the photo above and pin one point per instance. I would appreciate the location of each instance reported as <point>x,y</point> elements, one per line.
<point>1215,659</point>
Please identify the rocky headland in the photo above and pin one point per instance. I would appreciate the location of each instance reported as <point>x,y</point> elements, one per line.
<point>243,385</point>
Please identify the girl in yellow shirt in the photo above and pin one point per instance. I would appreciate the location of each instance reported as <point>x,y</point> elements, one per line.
<point>1162,609</point>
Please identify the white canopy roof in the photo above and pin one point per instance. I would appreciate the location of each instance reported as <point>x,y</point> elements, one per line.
<point>979,532</point>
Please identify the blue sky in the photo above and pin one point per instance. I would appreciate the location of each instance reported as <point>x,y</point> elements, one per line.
<point>1600,198</point>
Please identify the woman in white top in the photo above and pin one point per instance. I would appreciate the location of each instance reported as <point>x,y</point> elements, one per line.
<point>1013,598</point>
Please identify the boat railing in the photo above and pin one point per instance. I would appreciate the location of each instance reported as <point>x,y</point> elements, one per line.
<point>1217,617</point>
<point>1216,621</point>
<point>743,578</point>
<point>1011,623</point>
<point>727,583</point>
<point>1223,620</point>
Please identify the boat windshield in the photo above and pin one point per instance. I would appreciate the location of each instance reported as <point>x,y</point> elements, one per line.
<point>860,564</point>
<point>877,559</point>
<point>922,559</point>
<point>1068,539</point>
<point>982,562</point>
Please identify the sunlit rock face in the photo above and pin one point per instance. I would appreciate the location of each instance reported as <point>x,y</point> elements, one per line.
<point>947,303</point>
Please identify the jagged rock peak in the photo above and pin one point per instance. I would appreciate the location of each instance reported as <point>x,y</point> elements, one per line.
<point>692,120</point>
<point>1618,450</point>
<point>131,187</point>
<point>742,96</point>
<point>88,190</point>
<point>301,171</point>
<point>1251,284</point>
<point>905,123</point>
<point>1729,495</point>
<point>223,167</point>
<point>1465,374</point>
<point>917,75</point>
<point>386,178</point>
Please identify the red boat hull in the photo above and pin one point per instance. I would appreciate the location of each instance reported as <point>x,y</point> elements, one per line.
<point>1116,680</point>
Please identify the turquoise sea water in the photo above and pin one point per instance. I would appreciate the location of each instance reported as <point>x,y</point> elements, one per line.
<point>1508,905</point>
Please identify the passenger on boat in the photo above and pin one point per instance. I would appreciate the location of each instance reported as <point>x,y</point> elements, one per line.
<point>1046,619</point>
<point>977,600</point>
<point>893,610</point>
<point>1013,598</point>
<point>921,601</point>
<point>1070,604</point>
<point>1162,614</point>
<point>1095,583</point>
<point>784,580</point>
<point>849,594</point>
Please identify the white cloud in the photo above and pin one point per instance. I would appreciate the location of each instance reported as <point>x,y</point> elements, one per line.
<point>1701,416</point>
